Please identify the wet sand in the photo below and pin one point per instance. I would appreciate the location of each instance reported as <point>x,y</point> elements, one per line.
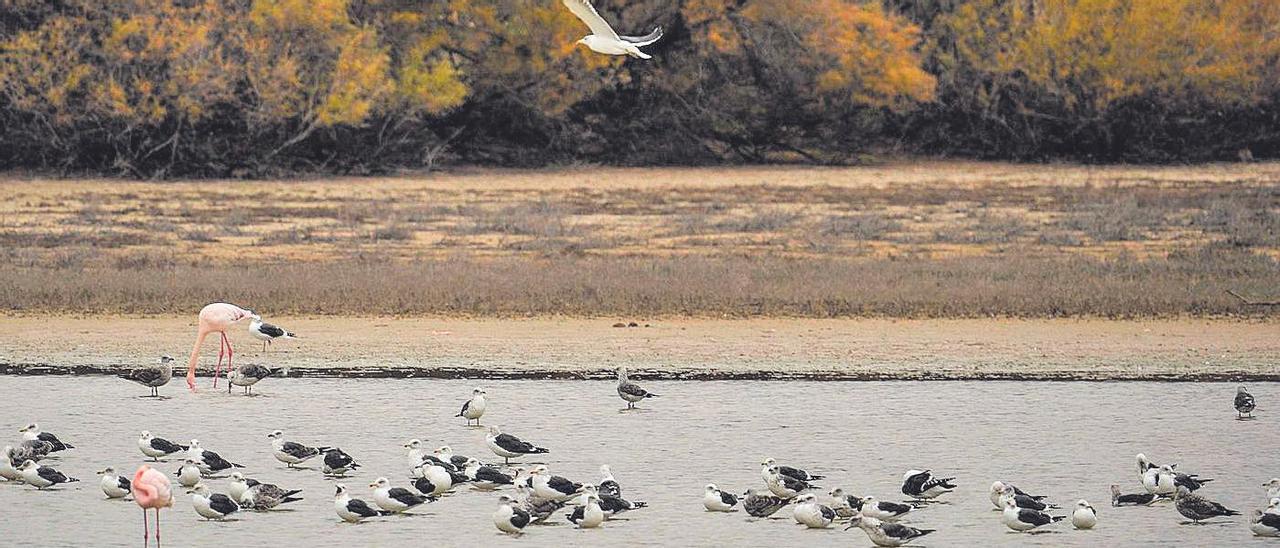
<point>861,349</point>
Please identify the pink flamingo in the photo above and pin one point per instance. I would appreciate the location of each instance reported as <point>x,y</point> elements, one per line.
<point>215,317</point>
<point>150,489</point>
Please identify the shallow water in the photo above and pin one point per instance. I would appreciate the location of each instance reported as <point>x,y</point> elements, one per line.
<point>1066,440</point>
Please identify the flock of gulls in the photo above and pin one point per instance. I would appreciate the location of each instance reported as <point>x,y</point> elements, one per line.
<point>533,494</point>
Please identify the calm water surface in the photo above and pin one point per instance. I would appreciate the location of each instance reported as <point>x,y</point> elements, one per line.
<point>1066,440</point>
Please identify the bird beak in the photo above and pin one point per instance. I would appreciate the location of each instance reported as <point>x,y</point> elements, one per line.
<point>373,485</point>
<point>851,526</point>
<point>101,472</point>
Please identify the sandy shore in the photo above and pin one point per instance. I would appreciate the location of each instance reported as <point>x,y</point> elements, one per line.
<point>682,348</point>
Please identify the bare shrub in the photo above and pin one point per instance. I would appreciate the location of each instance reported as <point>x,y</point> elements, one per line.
<point>861,226</point>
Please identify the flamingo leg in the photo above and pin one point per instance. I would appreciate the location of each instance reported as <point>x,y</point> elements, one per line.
<point>146,532</point>
<point>157,527</point>
<point>222,350</point>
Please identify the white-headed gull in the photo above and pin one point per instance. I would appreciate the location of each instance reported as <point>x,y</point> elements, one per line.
<point>41,477</point>
<point>922,485</point>
<point>715,500</point>
<point>1022,519</point>
<point>292,453</point>
<point>266,332</point>
<point>212,505</point>
<point>508,446</point>
<point>32,432</point>
<point>603,39</point>
<point>631,392</point>
<point>352,510</point>
<point>113,485</point>
<point>396,499</point>
<point>886,533</point>
<point>473,408</point>
<point>810,513</point>
<point>1085,517</point>
<point>155,448</point>
<point>510,517</point>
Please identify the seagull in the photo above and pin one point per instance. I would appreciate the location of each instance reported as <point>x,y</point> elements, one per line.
<point>1023,501</point>
<point>266,332</point>
<point>603,39</point>
<point>1022,519</point>
<point>796,473</point>
<point>1118,499</point>
<point>882,510</point>
<point>538,509</point>
<point>353,510</point>
<point>265,496</point>
<point>510,517</point>
<point>212,505</point>
<point>1273,488</point>
<point>189,473</point>
<point>1085,517</point>
<point>1197,508</point>
<point>630,391</point>
<point>155,448</point>
<point>997,491</point>
<point>337,463</point>
<point>886,534</point>
<point>435,480</point>
<point>113,486</point>
<point>396,499</point>
<point>473,408</point>
<point>1244,402</point>
<point>552,487</point>
<point>508,446</point>
<point>445,453</point>
<point>1265,524</point>
<point>591,515</point>
<point>922,485</point>
<point>811,514</point>
<point>614,505</point>
<point>415,455</point>
<point>1192,481</point>
<point>7,469</point>
<point>762,506</point>
<point>292,453</point>
<point>152,376</point>
<point>715,500</point>
<point>35,450</point>
<point>208,461</point>
<point>1159,480</point>
<point>42,476</point>
<point>249,375</point>
<point>486,477</point>
<point>238,485</point>
<point>786,487</point>
<point>32,433</point>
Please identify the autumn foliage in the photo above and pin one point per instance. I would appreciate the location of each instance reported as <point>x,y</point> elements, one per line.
<point>258,87</point>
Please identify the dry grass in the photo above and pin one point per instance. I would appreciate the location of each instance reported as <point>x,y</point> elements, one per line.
<point>933,240</point>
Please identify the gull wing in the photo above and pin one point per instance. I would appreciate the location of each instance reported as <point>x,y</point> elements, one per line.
<point>587,13</point>
<point>646,39</point>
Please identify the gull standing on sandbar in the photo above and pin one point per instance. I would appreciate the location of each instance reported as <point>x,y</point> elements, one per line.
<point>152,376</point>
<point>249,375</point>
<point>266,332</point>
<point>473,408</point>
<point>292,453</point>
<point>603,39</point>
<point>508,446</point>
<point>1197,508</point>
<point>630,391</point>
<point>155,448</point>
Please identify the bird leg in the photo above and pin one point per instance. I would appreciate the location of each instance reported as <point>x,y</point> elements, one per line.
<point>146,532</point>
<point>222,349</point>
<point>157,527</point>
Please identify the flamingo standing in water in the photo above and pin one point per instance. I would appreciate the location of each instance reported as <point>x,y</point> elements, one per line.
<point>215,317</point>
<point>151,489</point>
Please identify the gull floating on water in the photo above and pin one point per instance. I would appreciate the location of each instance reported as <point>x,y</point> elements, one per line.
<point>337,462</point>
<point>802,475</point>
<point>508,446</point>
<point>630,391</point>
<point>1022,519</point>
<point>1118,499</point>
<point>886,533</point>
<point>266,332</point>
<point>1085,517</point>
<point>603,39</point>
<point>922,485</point>
<point>353,510</point>
<point>1197,508</point>
<point>155,448</point>
<point>189,473</point>
<point>248,375</point>
<point>510,517</point>
<point>32,432</point>
<point>1244,402</point>
<point>997,492</point>
<point>208,461</point>
<point>212,505</point>
<point>473,408</point>
<point>292,453</point>
<point>396,499</point>
<point>762,506</point>
<point>810,513</point>
<point>42,476</point>
<point>715,500</point>
<point>152,376</point>
<point>113,486</point>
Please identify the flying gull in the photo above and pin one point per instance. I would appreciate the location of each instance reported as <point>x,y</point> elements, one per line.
<point>353,510</point>
<point>921,485</point>
<point>715,500</point>
<point>1118,499</point>
<point>510,517</point>
<point>997,492</point>
<point>212,505</point>
<point>32,433</point>
<point>208,461</point>
<point>811,514</point>
<point>1022,519</point>
<point>292,453</point>
<point>42,476</point>
<point>1085,517</point>
<point>786,487</point>
<point>189,473</point>
<point>1197,508</point>
<point>249,375</point>
<point>155,448</point>
<point>762,506</point>
<point>508,446</point>
<point>630,391</point>
<point>1265,524</point>
<point>396,499</point>
<point>1244,402</point>
<point>266,332</point>
<point>882,510</point>
<point>796,473</point>
<point>603,39</point>
<point>589,516</point>
<point>473,408</point>
<point>886,533</point>
<point>113,486</point>
<point>337,462</point>
<point>152,376</point>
